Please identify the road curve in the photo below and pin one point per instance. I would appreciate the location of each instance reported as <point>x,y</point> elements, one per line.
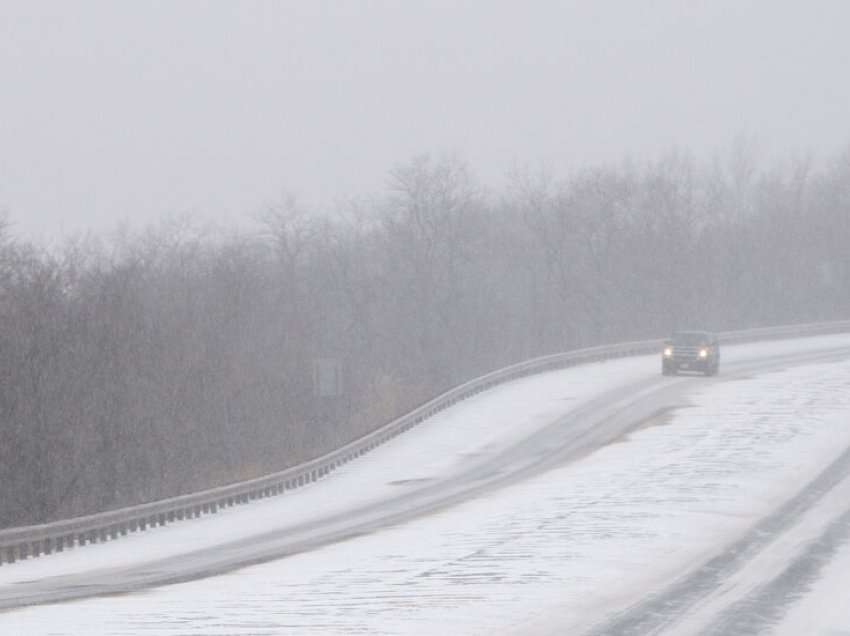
<point>577,433</point>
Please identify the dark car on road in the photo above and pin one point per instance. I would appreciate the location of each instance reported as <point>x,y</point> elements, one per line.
<point>691,351</point>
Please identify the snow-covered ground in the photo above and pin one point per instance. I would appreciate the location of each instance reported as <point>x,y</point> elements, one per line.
<point>549,555</point>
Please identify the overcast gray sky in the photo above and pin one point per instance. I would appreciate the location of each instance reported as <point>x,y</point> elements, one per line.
<point>117,110</point>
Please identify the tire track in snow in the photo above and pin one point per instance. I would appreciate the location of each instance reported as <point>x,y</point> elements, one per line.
<point>661,610</point>
<point>765,606</point>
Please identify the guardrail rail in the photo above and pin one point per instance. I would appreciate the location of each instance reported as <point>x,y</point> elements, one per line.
<point>32,541</point>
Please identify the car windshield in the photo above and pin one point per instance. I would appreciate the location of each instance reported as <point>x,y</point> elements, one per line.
<point>690,338</point>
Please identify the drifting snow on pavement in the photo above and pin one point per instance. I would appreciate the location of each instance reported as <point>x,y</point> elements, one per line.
<point>550,555</point>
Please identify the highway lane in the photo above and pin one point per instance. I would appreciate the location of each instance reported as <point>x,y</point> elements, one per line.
<point>574,434</point>
<point>767,594</point>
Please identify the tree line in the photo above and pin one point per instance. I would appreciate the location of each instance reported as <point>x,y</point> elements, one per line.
<point>172,360</point>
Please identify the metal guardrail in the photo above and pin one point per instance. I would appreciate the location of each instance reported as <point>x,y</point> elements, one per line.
<point>32,541</point>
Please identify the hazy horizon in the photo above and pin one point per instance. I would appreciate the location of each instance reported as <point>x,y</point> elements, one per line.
<point>116,113</point>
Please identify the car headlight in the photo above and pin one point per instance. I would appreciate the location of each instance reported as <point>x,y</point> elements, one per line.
<point>703,353</point>
<point>668,351</point>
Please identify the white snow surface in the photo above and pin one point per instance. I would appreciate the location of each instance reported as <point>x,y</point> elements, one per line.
<point>549,555</point>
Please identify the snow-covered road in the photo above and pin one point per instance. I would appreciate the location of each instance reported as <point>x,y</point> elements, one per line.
<point>560,552</point>
<point>824,606</point>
